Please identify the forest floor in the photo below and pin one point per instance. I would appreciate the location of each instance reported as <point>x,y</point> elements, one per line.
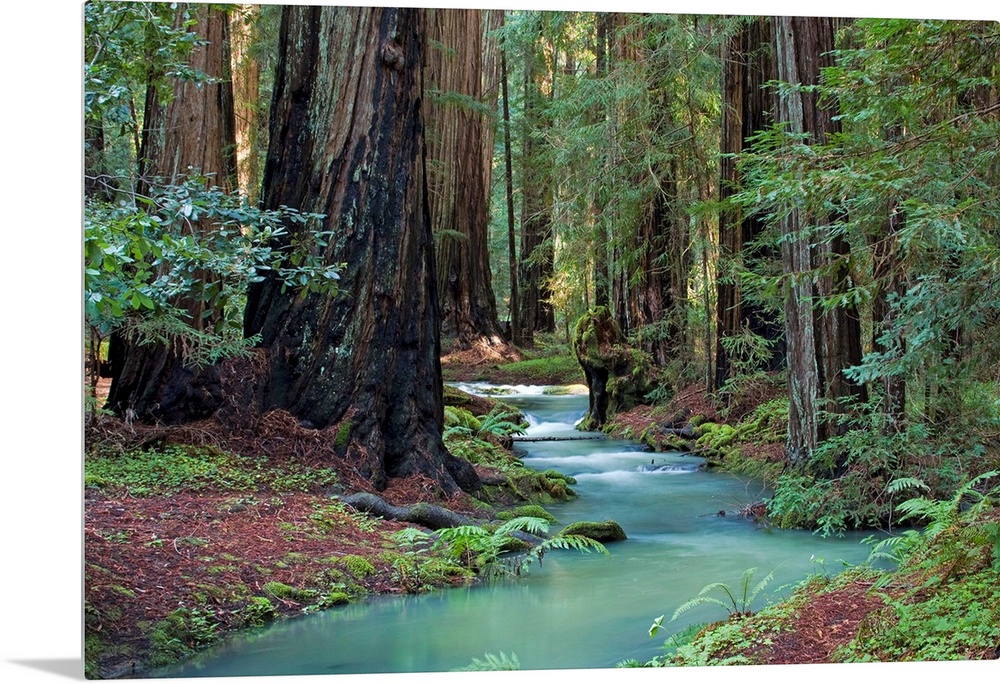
<point>168,573</point>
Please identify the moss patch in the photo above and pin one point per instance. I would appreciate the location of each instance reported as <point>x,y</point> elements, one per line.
<point>606,531</point>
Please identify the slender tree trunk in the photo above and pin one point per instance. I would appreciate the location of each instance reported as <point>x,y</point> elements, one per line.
<point>346,140</point>
<point>820,344</point>
<point>460,170</point>
<point>516,337</point>
<point>601,270</point>
<point>155,382</point>
<point>888,282</point>
<point>97,183</point>
<point>536,210</point>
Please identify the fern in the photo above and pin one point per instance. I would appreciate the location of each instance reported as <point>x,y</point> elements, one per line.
<point>492,662</point>
<point>482,549</point>
<point>903,483</point>
<point>570,542</point>
<point>501,421</point>
<point>736,605</point>
<point>954,537</point>
<point>454,430</point>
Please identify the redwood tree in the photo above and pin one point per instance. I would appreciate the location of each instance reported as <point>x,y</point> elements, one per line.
<point>537,257</point>
<point>346,140</point>
<point>821,342</point>
<point>154,381</point>
<point>748,107</point>
<point>460,79</point>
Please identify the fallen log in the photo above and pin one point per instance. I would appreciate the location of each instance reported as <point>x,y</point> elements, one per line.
<point>424,514</point>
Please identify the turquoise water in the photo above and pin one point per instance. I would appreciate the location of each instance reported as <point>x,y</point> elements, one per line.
<point>575,610</point>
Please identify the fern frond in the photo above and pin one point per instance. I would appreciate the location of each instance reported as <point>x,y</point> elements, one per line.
<point>531,525</point>
<point>492,662</point>
<point>902,483</point>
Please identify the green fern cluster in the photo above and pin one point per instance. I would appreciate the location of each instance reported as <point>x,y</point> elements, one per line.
<point>493,662</point>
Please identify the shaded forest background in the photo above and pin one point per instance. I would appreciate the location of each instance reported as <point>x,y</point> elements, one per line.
<point>727,202</point>
<point>47,371</point>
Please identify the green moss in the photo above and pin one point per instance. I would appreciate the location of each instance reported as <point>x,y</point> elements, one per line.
<point>285,592</point>
<point>359,566</point>
<point>335,598</point>
<point>606,531</point>
<point>549,370</point>
<point>556,475</point>
<point>343,436</point>
<point>527,511</point>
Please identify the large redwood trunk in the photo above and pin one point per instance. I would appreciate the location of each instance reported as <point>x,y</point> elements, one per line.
<point>346,140</point>
<point>155,381</point>
<point>462,62</point>
<point>820,344</point>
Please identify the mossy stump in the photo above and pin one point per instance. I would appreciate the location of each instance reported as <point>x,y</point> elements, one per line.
<point>614,371</point>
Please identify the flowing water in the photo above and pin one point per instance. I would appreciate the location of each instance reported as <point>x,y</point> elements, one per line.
<point>575,610</point>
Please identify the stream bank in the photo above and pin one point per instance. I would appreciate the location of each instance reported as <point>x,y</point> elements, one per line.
<point>190,536</point>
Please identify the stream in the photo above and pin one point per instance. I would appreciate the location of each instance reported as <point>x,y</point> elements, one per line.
<point>574,610</point>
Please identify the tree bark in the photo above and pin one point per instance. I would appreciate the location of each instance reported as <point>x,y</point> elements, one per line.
<point>246,76</point>
<point>747,107</point>
<point>820,344</point>
<point>346,140</point>
<point>537,263</point>
<point>513,306</point>
<point>155,382</point>
<point>460,171</point>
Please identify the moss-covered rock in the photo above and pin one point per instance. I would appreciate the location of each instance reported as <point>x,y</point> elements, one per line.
<point>284,592</point>
<point>526,511</point>
<point>606,531</point>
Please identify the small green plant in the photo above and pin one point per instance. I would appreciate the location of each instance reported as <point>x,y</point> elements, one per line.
<point>482,550</point>
<point>259,611</point>
<point>493,662</point>
<point>180,634</point>
<point>528,510</point>
<point>736,602</point>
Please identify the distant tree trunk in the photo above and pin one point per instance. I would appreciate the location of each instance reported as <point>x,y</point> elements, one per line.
<point>153,381</point>
<point>888,282</point>
<point>516,337</point>
<point>602,274</point>
<point>246,98</point>
<point>820,344</point>
<point>747,108</point>
<point>661,272</point>
<point>97,182</point>
<point>346,140</point>
<point>459,161</point>
<point>536,210</point>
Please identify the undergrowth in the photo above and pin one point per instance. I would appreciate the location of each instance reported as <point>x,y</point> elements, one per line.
<point>940,600</point>
<point>170,469</point>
